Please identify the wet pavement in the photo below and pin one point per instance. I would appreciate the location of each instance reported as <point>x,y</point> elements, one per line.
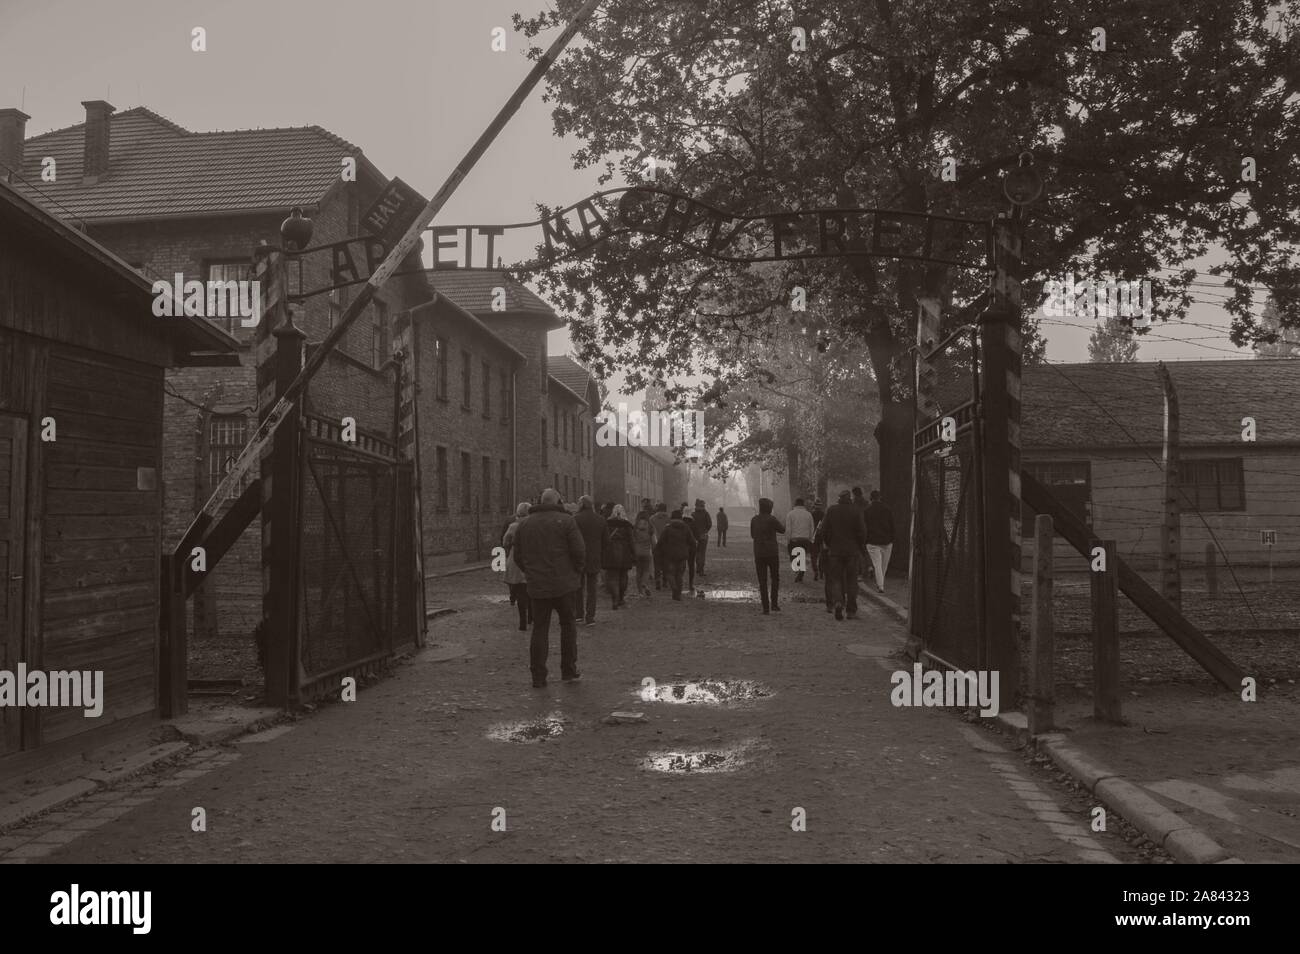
<point>751,719</point>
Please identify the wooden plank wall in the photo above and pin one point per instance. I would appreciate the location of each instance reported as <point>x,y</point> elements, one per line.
<point>102,536</point>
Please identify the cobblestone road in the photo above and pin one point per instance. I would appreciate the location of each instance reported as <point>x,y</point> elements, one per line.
<point>411,772</point>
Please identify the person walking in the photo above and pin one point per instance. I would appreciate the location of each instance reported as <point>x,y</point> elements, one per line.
<point>819,557</point>
<point>764,528</point>
<point>643,548</point>
<point>619,557</point>
<point>550,551</point>
<point>688,518</point>
<point>677,550</point>
<point>595,533</point>
<point>514,575</point>
<point>818,514</point>
<point>845,536</point>
<point>861,503</point>
<point>703,523</point>
<point>799,534</point>
<point>880,537</point>
<point>659,521</point>
<point>721,524</point>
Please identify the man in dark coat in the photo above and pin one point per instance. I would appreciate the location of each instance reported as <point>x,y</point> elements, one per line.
<point>702,523</point>
<point>845,535</point>
<point>659,521</point>
<point>550,551</point>
<point>860,502</point>
<point>722,527</point>
<point>677,550</point>
<point>595,533</point>
<point>764,528</point>
<point>688,518</point>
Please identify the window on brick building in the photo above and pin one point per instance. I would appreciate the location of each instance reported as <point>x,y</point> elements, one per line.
<point>543,442</point>
<point>378,334</point>
<point>506,505</point>
<point>440,367</point>
<point>466,497</point>
<point>443,491</point>
<point>239,270</point>
<point>467,383</point>
<point>1213,485</point>
<point>487,389</point>
<point>227,435</point>
<point>485,492</point>
<point>505,397</point>
<point>555,425</point>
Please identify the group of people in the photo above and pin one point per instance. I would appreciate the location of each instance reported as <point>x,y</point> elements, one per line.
<point>555,558</point>
<point>838,543</point>
<point>556,555</point>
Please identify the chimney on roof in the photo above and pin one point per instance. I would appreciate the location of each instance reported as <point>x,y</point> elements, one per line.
<point>13,131</point>
<point>95,156</point>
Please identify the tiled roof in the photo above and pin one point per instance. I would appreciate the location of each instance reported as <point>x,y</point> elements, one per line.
<point>569,373</point>
<point>472,289</point>
<point>156,169</point>
<point>25,216</point>
<point>1118,405</point>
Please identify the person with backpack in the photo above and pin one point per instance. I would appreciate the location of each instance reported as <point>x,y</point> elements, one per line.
<point>514,574</point>
<point>721,524</point>
<point>620,556</point>
<point>677,549</point>
<point>703,523</point>
<point>659,521</point>
<point>643,546</point>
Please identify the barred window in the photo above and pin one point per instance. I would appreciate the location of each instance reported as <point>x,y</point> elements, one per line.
<point>227,435</point>
<point>233,271</point>
<point>1211,485</point>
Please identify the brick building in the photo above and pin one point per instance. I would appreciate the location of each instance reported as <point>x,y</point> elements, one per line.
<point>574,401</point>
<point>1093,434</point>
<point>170,201</point>
<point>625,475</point>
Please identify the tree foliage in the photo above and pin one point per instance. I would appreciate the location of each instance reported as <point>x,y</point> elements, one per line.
<point>1142,145</point>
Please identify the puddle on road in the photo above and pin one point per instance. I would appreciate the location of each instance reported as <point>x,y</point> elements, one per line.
<point>732,595</point>
<point>705,761</point>
<point>530,730</point>
<point>709,692</point>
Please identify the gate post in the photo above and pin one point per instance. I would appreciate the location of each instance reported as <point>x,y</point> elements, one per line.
<point>1042,644</point>
<point>1105,636</point>
<point>282,575</point>
<point>1000,343</point>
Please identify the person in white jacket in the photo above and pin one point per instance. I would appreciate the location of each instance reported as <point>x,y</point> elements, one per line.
<point>799,535</point>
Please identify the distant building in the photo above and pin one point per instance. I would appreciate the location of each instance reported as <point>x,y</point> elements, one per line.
<point>1093,434</point>
<point>625,475</point>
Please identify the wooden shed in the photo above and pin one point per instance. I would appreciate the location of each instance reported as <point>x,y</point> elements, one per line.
<point>82,357</point>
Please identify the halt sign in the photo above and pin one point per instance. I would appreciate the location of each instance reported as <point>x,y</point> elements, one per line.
<point>393,212</point>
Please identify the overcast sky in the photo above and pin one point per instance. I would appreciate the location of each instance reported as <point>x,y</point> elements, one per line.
<point>412,82</point>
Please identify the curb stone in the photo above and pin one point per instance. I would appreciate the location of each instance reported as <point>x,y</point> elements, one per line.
<point>55,797</point>
<point>1184,841</point>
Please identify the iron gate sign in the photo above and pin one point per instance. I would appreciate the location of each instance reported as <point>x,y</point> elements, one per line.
<point>657,213</point>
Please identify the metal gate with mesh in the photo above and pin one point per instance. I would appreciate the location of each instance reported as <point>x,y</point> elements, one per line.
<point>353,607</point>
<point>949,534</point>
